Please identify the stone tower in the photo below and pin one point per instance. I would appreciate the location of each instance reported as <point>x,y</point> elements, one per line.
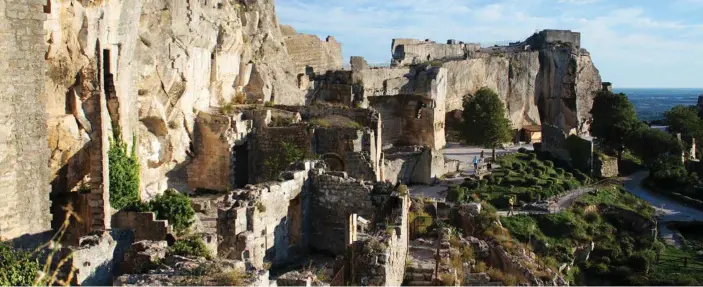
<point>24,153</point>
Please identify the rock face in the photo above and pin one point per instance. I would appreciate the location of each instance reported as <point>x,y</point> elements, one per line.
<point>158,63</point>
<point>546,79</point>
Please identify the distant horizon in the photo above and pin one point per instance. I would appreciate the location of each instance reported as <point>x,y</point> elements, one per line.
<point>655,88</point>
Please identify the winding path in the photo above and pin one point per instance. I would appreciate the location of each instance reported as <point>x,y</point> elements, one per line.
<point>667,209</point>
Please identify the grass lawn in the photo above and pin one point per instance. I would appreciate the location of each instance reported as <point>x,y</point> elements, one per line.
<point>522,175</point>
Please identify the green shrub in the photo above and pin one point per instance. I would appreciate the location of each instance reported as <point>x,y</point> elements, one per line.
<point>537,173</point>
<point>549,163</point>
<point>174,207</point>
<point>124,173</point>
<point>457,193</point>
<point>275,163</point>
<point>532,156</point>
<point>560,171</point>
<point>17,267</point>
<point>190,246</point>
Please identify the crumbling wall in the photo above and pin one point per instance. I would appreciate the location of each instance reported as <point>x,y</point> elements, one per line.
<point>266,222</point>
<point>23,134</point>
<point>308,50</point>
<point>216,136</point>
<point>380,260</point>
<point>266,144</point>
<point>605,166</point>
<point>415,165</point>
<point>92,260</point>
<point>143,224</point>
<point>410,51</point>
<point>334,197</point>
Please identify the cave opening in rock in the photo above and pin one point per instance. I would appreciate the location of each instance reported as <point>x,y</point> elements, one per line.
<point>241,165</point>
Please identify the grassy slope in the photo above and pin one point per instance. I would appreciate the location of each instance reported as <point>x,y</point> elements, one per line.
<point>621,253</point>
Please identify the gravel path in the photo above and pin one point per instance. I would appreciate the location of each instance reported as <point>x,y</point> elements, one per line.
<point>667,209</point>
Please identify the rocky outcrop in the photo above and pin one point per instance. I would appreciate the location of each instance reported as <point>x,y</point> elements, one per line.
<point>547,79</point>
<point>158,63</point>
<point>143,255</point>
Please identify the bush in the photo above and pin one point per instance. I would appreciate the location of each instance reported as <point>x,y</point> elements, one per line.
<point>537,173</point>
<point>549,163</point>
<point>190,246</point>
<point>124,173</point>
<point>17,267</point>
<point>457,194</point>
<point>174,207</point>
<point>560,171</point>
<point>532,156</point>
<point>522,150</point>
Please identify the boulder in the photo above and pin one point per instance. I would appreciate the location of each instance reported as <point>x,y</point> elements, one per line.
<point>143,255</point>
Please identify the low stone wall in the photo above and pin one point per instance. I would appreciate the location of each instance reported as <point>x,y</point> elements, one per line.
<point>143,224</point>
<point>335,196</point>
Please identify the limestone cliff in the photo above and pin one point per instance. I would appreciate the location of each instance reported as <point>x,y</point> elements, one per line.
<point>157,63</point>
<point>546,79</point>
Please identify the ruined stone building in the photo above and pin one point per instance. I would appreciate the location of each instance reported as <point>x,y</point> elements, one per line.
<point>210,93</point>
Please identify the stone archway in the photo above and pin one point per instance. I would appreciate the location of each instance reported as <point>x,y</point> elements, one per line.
<point>334,162</point>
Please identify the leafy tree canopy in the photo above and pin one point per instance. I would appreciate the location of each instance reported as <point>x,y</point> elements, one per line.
<point>485,123</point>
<point>614,120</point>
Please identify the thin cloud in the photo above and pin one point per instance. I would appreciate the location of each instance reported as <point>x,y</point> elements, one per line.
<point>629,41</point>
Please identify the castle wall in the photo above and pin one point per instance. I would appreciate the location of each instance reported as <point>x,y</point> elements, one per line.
<point>309,50</point>
<point>216,136</point>
<point>408,51</point>
<point>334,198</point>
<point>24,152</point>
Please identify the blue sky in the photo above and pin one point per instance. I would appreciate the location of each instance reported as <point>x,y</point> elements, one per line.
<point>634,43</point>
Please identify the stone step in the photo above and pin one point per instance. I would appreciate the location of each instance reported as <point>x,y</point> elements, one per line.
<point>419,270</point>
<point>420,283</point>
<point>418,276</point>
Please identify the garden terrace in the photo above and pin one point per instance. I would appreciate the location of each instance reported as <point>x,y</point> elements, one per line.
<point>522,175</point>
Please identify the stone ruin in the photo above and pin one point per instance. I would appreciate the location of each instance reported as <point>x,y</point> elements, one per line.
<point>207,93</point>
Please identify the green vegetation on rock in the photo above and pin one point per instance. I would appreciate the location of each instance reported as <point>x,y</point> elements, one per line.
<point>172,206</point>
<point>191,246</point>
<point>619,225</point>
<point>17,267</point>
<point>124,173</point>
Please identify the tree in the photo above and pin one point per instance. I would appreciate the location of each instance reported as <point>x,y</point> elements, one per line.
<point>650,144</point>
<point>484,120</point>
<point>685,120</point>
<point>614,120</point>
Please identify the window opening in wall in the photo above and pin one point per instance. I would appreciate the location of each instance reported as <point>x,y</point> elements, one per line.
<point>294,221</point>
<point>47,7</point>
<point>108,78</point>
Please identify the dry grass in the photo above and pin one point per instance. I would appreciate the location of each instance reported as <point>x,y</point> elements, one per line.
<point>47,276</point>
<point>234,277</point>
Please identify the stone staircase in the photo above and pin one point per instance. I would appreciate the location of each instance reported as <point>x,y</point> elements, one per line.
<point>420,271</point>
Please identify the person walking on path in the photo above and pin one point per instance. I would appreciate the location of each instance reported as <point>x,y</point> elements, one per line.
<point>481,154</point>
<point>475,163</point>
